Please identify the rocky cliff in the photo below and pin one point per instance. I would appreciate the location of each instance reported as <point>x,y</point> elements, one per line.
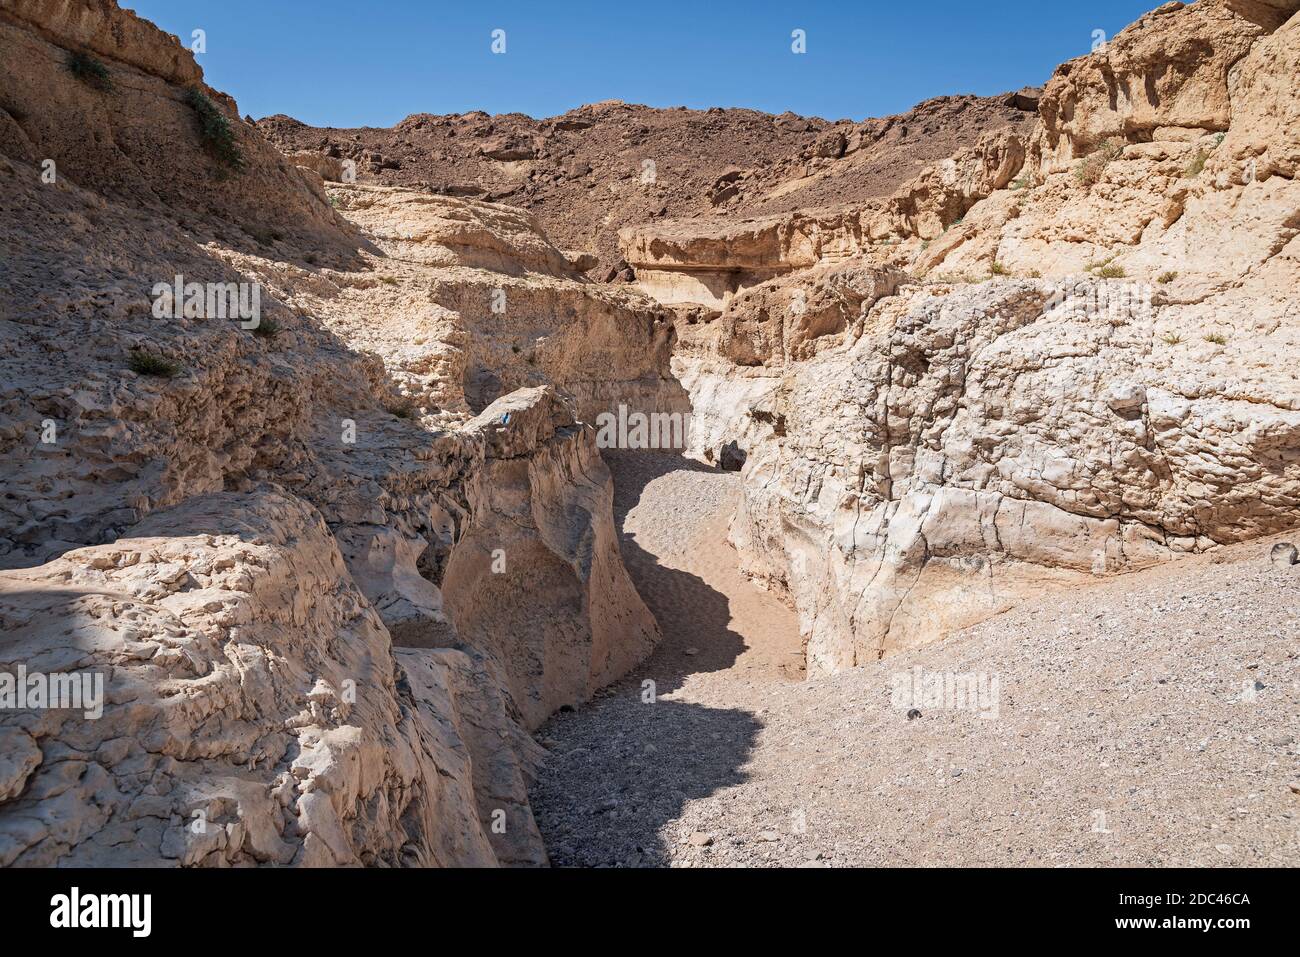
<point>334,557</point>
<point>601,168</point>
<point>329,578</point>
<point>1087,367</point>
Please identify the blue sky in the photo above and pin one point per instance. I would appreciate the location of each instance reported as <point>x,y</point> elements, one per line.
<point>354,63</point>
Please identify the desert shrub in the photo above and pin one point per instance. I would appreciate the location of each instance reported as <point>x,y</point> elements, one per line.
<point>215,128</point>
<point>1111,272</point>
<point>997,269</point>
<point>1165,278</point>
<point>89,71</point>
<point>265,237</point>
<point>142,362</point>
<point>266,328</point>
<point>1172,338</point>
<point>1217,338</point>
<point>1092,167</point>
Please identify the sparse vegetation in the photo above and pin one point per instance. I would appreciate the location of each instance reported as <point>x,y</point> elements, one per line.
<point>1217,338</point>
<point>143,362</point>
<point>1197,165</point>
<point>1165,278</point>
<point>90,71</point>
<point>310,259</point>
<point>1111,272</point>
<point>1092,167</point>
<point>388,280</point>
<point>267,237</point>
<point>1172,338</point>
<point>997,269</point>
<point>266,328</point>
<point>400,410</point>
<point>215,128</point>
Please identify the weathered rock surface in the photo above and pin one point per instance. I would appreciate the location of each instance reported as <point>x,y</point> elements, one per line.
<point>255,710</point>
<point>333,568</point>
<point>924,457</point>
<point>479,303</point>
<point>326,602</point>
<point>696,261</point>
<point>592,172</point>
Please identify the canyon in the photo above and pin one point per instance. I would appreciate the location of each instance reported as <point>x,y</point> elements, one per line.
<point>1002,387</point>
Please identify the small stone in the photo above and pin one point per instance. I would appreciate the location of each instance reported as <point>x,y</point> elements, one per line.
<point>700,839</point>
<point>1295,787</point>
<point>913,715</point>
<point>1224,849</point>
<point>769,836</point>
<point>692,651</point>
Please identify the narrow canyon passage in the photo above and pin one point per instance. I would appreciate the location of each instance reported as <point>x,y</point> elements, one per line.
<point>626,768</point>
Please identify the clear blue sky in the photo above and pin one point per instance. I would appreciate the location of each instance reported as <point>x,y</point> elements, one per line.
<point>373,62</point>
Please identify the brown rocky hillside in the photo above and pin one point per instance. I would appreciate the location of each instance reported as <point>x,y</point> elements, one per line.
<point>582,173</point>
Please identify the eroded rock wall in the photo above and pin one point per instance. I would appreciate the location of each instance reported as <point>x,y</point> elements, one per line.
<point>1087,367</point>
<point>264,536</point>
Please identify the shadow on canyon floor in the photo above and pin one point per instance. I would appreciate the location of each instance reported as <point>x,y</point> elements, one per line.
<point>623,767</point>
<point>692,615</point>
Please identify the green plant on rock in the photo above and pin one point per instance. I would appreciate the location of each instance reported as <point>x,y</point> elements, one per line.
<point>143,362</point>
<point>266,328</point>
<point>1089,170</point>
<point>214,126</point>
<point>90,71</point>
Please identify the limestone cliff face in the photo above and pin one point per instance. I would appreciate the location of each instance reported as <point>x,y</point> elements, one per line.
<point>479,287</point>
<point>1087,365</point>
<point>325,599</point>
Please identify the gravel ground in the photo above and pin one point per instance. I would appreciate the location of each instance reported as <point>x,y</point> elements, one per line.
<point>1146,720</point>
